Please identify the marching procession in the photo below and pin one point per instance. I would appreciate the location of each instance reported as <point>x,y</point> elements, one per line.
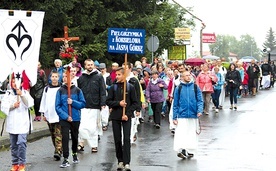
<point>162,89</point>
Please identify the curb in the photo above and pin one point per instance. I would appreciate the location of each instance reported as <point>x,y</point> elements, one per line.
<point>35,135</point>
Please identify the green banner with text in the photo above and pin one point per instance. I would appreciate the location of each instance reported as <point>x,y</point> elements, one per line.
<point>177,52</point>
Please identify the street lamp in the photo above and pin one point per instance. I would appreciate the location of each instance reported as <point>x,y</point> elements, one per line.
<point>202,27</point>
<point>267,50</point>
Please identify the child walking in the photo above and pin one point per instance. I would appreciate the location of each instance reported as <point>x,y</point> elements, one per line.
<point>67,122</point>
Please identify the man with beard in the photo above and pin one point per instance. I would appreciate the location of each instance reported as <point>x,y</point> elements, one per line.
<point>92,84</point>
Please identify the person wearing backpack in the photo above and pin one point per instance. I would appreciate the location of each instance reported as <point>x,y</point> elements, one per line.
<point>47,108</point>
<point>121,124</point>
<point>187,108</point>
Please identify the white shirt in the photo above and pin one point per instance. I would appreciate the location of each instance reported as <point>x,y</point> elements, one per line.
<point>18,119</point>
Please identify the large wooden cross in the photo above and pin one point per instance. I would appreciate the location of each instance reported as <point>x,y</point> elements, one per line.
<point>66,39</point>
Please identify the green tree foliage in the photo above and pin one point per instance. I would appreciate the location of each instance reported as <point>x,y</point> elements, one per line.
<point>270,40</point>
<point>90,21</point>
<point>225,44</point>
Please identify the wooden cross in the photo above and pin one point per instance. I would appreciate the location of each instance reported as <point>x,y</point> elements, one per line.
<point>66,39</point>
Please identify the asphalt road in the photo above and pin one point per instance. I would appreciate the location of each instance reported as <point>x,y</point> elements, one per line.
<point>230,140</point>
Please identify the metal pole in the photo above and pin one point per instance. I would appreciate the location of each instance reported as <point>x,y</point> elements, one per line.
<point>152,48</point>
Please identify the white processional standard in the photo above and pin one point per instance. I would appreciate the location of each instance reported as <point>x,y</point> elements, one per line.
<point>20,43</point>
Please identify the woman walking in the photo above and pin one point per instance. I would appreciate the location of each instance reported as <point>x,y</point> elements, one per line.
<point>217,88</point>
<point>204,81</point>
<point>155,96</point>
<point>233,79</point>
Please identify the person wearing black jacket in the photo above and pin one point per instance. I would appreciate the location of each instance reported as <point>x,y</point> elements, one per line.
<point>233,79</point>
<point>253,71</point>
<point>116,102</point>
<point>266,74</point>
<point>91,82</point>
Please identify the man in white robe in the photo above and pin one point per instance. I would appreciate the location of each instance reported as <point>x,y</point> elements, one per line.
<point>187,107</point>
<point>91,82</point>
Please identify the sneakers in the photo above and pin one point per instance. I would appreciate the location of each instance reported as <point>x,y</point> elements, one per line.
<point>235,107</point>
<point>231,107</point>
<point>120,166</point>
<point>65,163</point>
<point>14,167</point>
<point>75,158</point>
<point>217,110</point>
<point>127,167</point>
<point>21,167</point>
<point>157,126</point>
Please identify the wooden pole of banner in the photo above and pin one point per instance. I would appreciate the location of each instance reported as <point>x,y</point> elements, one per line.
<point>125,85</point>
<point>66,40</point>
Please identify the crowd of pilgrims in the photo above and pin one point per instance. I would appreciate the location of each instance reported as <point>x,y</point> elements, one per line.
<point>237,80</point>
<point>154,86</point>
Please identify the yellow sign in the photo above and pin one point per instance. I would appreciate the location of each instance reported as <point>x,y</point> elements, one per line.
<point>177,52</point>
<point>182,33</point>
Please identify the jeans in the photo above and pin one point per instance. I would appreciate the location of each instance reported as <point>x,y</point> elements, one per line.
<point>233,94</point>
<point>215,97</point>
<point>18,148</point>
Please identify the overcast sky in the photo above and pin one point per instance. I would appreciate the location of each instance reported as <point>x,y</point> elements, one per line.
<point>235,17</point>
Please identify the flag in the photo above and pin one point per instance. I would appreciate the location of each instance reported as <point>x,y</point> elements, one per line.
<point>20,43</point>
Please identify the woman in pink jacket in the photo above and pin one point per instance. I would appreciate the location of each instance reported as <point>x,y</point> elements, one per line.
<point>204,81</point>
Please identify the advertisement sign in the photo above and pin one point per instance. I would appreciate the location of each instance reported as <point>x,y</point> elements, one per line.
<point>208,38</point>
<point>182,34</point>
<point>177,52</point>
<point>128,41</point>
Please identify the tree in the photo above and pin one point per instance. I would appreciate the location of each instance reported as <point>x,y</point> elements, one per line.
<point>225,44</point>
<point>90,21</point>
<point>270,41</point>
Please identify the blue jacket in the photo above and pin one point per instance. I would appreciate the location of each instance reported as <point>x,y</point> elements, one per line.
<point>220,82</point>
<point>185,104</point>
<point>62,105</point>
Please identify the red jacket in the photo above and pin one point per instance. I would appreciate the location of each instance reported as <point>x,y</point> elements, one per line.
<point>245,79</point>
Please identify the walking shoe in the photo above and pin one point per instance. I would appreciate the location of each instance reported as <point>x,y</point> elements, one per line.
<point>75,158</point>
<point>217,110</point>
<point>231,107</point>
<point>163,114</point>
<point>127,167</point>
<point>80,147</point>
<point>141,120</point>
<point>14,167</point>
<point>21,167</point>
<point>190,155</point>
<point>94,149</point>
<point>173,131</point>
<point>235,108</point>
<point>157,126</point>
<point>182,154</point>
<point>57,156</point>
<point>65,163</point>
<point>120,166</point>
